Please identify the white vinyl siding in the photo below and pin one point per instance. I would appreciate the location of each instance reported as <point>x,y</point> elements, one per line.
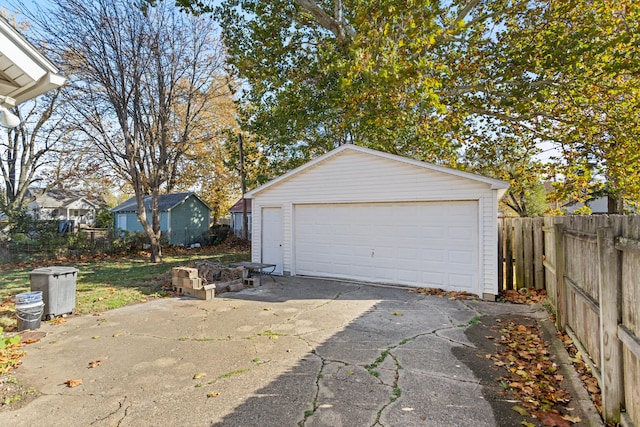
<point>354,176</point>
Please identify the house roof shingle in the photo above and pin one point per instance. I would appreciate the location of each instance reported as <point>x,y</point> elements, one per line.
<point>165,202</point>
<point>59,198</point>
<point>237,207</point>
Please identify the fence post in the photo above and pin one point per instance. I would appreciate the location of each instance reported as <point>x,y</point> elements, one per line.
<point>527,249</point>
<point>519,254</point>
<point>610,316</point>
<point>508,252</point>
<point>501,226</point>
<point>538,253</point>
<point>561,303</point>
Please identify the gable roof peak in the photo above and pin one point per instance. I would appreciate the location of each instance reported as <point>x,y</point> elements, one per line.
<point>495,184</point>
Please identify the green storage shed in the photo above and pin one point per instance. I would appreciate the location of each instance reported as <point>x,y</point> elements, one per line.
<point>184,217</point>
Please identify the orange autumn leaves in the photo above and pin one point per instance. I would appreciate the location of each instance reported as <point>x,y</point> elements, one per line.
<point>531,376</point>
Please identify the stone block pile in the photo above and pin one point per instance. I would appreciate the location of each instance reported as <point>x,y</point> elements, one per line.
<point>185,280</point>
<point>206,279</point>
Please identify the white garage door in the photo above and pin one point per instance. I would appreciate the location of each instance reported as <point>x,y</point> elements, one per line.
<point>425,244</point>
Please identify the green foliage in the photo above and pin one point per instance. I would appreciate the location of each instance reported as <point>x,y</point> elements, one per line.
<point>479,85</point>
<point>104,218</point>
<point>583,210</point>
<point>9,341</point>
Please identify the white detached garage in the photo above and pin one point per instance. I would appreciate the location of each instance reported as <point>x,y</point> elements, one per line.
<point>360,214</point>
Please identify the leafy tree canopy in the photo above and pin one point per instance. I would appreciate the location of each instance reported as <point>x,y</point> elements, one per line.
<point>445,81</point>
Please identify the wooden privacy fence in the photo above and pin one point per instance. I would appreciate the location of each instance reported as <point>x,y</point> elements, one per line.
<point>591,271</point>
<point>521,249</point>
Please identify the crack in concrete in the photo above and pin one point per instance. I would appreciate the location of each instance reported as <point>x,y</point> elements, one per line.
<point>314,403</point>
<point>120,405</point>
<point>126,413</point>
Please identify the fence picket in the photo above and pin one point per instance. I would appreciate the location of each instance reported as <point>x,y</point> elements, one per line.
<point>590,267</point>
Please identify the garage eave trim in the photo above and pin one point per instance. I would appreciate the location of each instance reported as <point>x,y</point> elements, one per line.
<point>495,184</point>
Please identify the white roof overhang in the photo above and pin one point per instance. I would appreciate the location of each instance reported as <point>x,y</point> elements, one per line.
<point>24,72</point>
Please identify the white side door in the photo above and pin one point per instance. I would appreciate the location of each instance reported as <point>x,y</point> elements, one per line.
<point>272,238</point>
<point>122,222</point>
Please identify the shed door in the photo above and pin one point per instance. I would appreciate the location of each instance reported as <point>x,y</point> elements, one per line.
<point>122,221</point>
<point>272,238</point>
<point>421,244</point>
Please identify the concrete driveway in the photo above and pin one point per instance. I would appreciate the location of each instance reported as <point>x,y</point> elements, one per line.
<point>296,352</point>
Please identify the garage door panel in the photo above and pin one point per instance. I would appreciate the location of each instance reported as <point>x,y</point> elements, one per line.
<point>460,281</point>
<point>460,233</point>
<point>433,232</point>
<point>432,278</point>
<point>433,255</point>
<point>461,257</point>
<point>418,244</point>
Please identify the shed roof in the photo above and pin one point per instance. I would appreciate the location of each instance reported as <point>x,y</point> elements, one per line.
<point>237,207</point>
<point>495,184</point>
<point>166,202</point>
<point>24,72</point>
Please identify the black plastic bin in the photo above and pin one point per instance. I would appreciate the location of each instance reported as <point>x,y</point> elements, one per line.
<point>58,286</point>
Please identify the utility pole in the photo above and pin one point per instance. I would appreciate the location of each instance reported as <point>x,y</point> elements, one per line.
<point>245,223</point>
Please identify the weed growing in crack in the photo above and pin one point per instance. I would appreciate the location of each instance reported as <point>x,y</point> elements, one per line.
<point>232,373</point>
<point>474,320</point>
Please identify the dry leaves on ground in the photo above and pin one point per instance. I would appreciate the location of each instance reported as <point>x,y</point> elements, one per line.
<point>523,296</point>
<point>73,383</point>
<point>583,370</point>
<point>452,295</point>
<point>531,376</point>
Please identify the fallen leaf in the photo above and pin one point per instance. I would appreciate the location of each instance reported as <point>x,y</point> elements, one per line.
<point>213,394</point>
<point>73,383</point>
<point>199,375</point>
<point>574,420</point>
<point>95,337</point>
<point>117,334</point>
<point>58,320</point>
<point>553,419</point>
<point>520,410</point>
<point>267,309</point>
<point>94,364</point>
<point>32,341</point>
<point>527,424</point>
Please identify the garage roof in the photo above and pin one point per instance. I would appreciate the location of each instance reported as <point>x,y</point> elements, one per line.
<point>495,184</point>
<point>24,72</point>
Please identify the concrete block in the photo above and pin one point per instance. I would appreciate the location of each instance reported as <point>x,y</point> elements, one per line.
<point>204,294</point>
<point>235,287</point>
<point>184,272</point>
<point>184,282</point>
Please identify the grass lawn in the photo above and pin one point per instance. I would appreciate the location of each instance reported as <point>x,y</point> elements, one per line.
<point>105,284</point>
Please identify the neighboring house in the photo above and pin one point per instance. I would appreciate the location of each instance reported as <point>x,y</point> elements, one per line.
<point>361,214</point>
<point>235,221</point>
<point>74,207</point>
<point>24,72</point>
<point>598,205</point>
<point>184,217</point>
